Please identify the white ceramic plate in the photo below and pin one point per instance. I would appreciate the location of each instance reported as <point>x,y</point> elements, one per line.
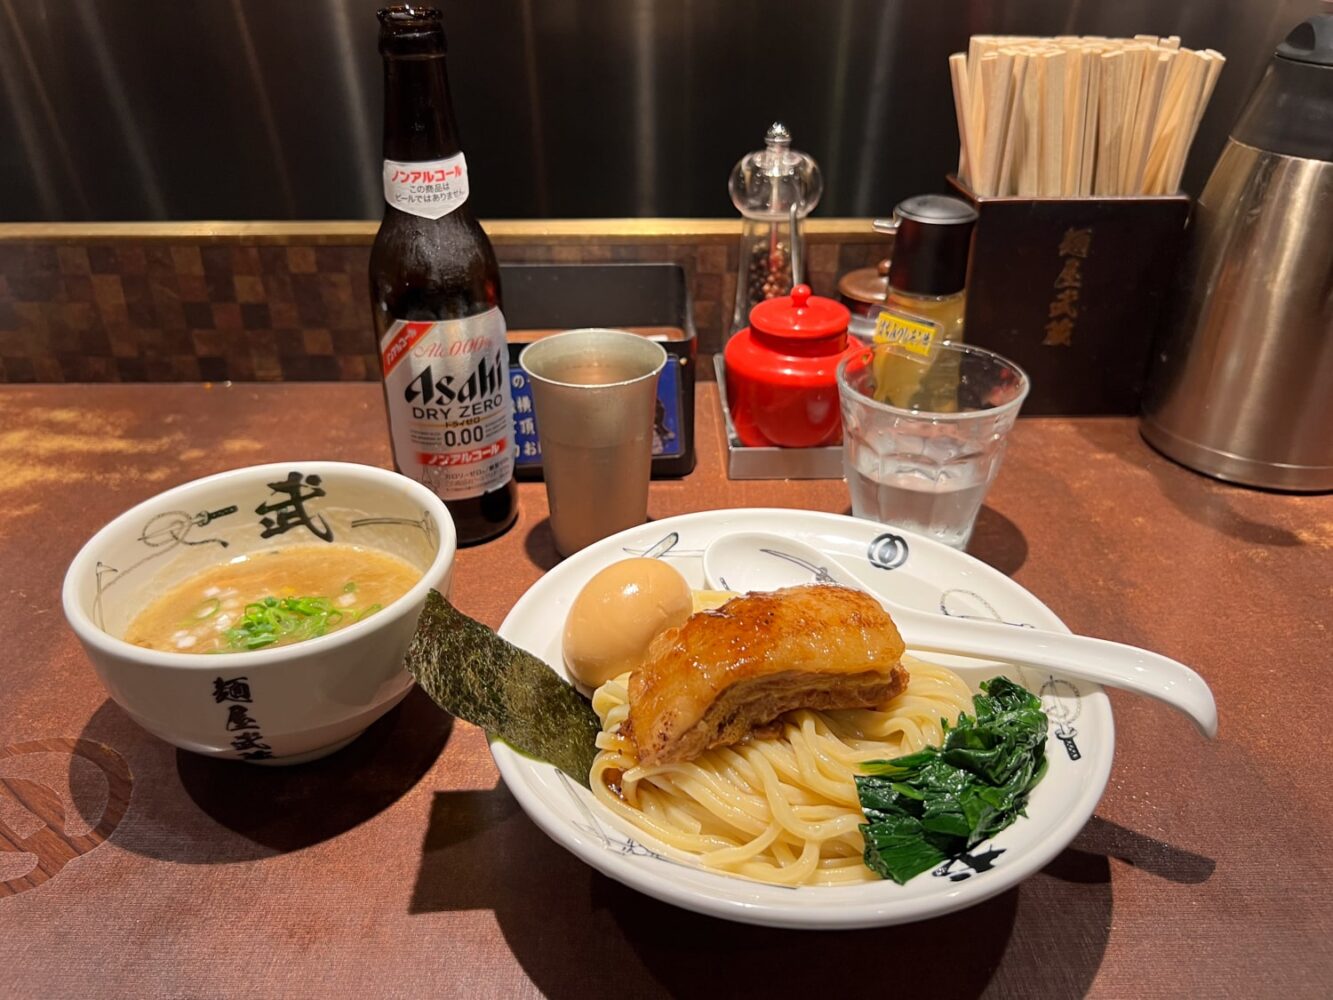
<point>899,565</point>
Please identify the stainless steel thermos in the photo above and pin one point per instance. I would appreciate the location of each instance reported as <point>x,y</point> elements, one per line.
<point>1242,380</point>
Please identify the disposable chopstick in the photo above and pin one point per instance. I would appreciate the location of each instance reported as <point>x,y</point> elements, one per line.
<point>1145,118</point>
<point>1136,60</point>
<point>1091,122</point>
<point>1166,125</point>
<point>985,82</point>
<point>1050,171</point>
<point>997,81</point>
<point>1208,69</point>
<point>1195,77</point>
<point>1110,125</point>
<point>981,112</point>
<point>1027,179</point>
<point>1076,106</point>
<point>1010,150</point>
<point>1215,63</point>
<point>961,106</point>
<point>975,125</point>
<point>978,47</point>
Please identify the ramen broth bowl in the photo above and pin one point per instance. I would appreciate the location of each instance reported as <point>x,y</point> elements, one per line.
<point>279,704</point>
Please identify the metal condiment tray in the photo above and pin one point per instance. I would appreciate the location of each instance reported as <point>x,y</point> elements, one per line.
<point>772,463</point>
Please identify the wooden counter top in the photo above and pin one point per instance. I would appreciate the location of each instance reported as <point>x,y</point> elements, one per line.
<point>401,867</point>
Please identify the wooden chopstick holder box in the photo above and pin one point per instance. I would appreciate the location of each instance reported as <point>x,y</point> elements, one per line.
<point>1071,290</point>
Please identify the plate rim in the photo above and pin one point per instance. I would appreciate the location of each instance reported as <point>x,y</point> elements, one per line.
<point>512,764</point>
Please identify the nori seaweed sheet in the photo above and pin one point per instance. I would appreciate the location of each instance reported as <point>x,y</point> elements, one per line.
<point>475,675</point>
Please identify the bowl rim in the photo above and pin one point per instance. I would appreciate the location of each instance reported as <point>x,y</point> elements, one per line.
<point>91,635</point>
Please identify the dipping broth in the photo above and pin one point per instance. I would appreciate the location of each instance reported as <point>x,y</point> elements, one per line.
<point>273,597</point>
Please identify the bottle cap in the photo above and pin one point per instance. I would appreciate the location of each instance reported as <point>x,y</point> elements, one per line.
<point>1291,112</point>
<point>769,182</point>
<point>1311,41</point>
<point>800,316</point>
<point>411,30</point>
<point>934,238</point>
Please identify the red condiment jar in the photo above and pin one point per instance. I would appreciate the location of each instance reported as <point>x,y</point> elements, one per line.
<point>780,371</point>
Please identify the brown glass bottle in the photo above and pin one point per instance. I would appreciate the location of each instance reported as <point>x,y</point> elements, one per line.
<point>435,292</point>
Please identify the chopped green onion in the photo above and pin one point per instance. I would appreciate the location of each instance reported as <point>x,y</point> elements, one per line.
<point>208,609</point>
<point>349,587</point>
<point>288,619</point>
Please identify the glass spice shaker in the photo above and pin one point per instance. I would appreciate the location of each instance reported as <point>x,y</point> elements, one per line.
<point>774,188</point>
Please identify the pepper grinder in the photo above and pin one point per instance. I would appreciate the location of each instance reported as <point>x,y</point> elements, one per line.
<point>774,188</point>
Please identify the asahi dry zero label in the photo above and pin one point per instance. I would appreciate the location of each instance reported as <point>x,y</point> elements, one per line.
<point>450,414</point>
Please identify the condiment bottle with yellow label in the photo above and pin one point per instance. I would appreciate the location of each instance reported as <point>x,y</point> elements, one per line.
<point>924,307</point>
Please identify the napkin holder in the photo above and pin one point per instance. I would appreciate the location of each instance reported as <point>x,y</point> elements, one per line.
<point>650,299</point>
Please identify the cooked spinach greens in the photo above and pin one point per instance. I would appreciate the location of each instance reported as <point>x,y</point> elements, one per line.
<point>940,802</point>
<point>475,675</point>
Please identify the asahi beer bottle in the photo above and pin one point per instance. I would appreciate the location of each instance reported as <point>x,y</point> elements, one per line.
<point>435,290</point>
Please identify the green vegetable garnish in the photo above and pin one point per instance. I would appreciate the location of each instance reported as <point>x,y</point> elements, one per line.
<point>287,619</point>
<point>207,610</point>
<point>939,803</point>
<point>475,675</point>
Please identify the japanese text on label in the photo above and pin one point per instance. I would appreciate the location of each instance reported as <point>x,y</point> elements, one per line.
<point>908,335</point>
<point>431,189</point>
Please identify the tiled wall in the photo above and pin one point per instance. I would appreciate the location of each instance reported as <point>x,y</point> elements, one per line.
<point>245,307</point>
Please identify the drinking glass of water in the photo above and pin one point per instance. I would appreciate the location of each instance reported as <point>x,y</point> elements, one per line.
<point>926,465</point>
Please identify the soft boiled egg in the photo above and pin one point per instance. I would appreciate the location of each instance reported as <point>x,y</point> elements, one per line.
<point>618,613</point>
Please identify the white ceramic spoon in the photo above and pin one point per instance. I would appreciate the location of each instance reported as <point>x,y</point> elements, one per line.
<point>752,560</point>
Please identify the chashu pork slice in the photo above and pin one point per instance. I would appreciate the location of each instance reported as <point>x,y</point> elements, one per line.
<point>711,680</point>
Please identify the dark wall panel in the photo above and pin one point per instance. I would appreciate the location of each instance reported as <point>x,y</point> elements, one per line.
<point>269,109</point>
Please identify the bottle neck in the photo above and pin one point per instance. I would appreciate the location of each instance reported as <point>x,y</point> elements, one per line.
<point>418,113</point>
<point>907,298</point>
